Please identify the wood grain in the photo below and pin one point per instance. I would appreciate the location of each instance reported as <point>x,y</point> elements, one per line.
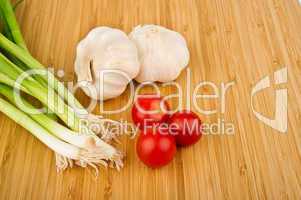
<point>229,40</point>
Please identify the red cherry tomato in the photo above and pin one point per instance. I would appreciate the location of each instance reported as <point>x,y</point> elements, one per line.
<point>155,149</point>
<point>186,127</point>
<point>150,110</point>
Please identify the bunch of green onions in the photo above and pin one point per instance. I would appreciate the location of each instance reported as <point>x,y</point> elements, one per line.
<point>72,142</point>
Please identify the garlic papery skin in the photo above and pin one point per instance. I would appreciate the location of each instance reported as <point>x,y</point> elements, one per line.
<point>163,53</point>
<point>106,61</point>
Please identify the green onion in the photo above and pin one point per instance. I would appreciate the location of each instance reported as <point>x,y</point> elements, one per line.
<point>22,56</point>
<point>32,63</point>
<point>10,20</point>
<point>9,69</point>
<point>54,84</point>
<point>12,27</point>
<point>80,140</point>
<point>7,81</point>
<point>85,148</point>
<point>60,147</point>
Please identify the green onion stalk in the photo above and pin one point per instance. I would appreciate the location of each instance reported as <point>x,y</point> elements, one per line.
<point>17,49</point>
<point>54,84</point>
<point>11,24</point>
<point>14,60</point>
<point>65,149</point>
<point>82,141</point>
<point>31,86</point>
<point>9,82</point>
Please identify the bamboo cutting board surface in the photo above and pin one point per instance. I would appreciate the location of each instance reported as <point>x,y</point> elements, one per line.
<point>229,40</point>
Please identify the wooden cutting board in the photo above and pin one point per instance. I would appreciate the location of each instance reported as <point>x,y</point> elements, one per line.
<point>230,40</point>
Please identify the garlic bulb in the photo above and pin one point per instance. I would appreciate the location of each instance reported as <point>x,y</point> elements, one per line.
<point>163,53</point>
<point>106,61</point>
